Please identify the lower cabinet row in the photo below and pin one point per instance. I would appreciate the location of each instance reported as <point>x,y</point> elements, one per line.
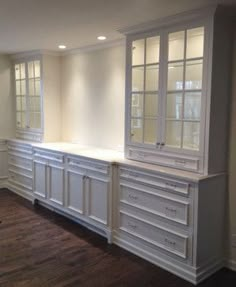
<point>174,222</point>
<point>82,192</point>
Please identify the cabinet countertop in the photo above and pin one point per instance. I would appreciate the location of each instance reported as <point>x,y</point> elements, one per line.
<point>113,157</point>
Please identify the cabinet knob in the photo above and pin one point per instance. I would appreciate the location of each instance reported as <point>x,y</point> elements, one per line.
<point>162,144</point>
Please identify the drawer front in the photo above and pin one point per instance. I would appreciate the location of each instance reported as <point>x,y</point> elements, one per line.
<point>163,206</point>
<point>189,164</point>
<point>156,181</point>
<point>20,161</point>
<point>20,170</point>
<point>48,156</point>
<point>164,239</point>
<point>20,180</point>
<point>20,149</point>
<point>76,163</point>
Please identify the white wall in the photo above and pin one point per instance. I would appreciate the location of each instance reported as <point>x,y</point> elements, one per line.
<point>93,94</point>
<point>7,105</point>
<point>232,166</point>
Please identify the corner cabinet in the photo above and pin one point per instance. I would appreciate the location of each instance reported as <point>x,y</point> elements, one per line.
<point>37,85</point>
<point>176,80</point>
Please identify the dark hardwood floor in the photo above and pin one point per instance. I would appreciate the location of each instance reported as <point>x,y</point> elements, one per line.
<point>41,248</point>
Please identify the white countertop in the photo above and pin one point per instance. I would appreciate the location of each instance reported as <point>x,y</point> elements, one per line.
<point>113,157</point>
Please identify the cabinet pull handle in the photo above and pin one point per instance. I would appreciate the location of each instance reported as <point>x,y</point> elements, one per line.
<point>171,185</point>
<point>162,144</point>
<point>157,144</point>
<point>133,197</point>
<point>171,209</point>
<point>172,243</point>
<point>132,225</point>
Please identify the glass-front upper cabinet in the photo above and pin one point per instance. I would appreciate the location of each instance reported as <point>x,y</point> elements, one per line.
<point>28,94</point>
<point>165,93</point>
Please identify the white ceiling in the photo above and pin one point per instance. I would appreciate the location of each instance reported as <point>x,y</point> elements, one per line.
<point>27,25</point>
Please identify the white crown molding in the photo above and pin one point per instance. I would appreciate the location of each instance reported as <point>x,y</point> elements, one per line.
<point>27,54</point>
<point>170,20</point>
<point>91,48</point>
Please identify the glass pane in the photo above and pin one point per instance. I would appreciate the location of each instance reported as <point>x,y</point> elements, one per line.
<point>152,50</point>
<point>195,39</point>
<point>18,103</point>
<point>193,78</point>
<point>137,105</point>
<point>22,71</point>
<point>152,77</point>
<point>136,130</point>
<point>35,120</point>
<point>175,76</point>
<point>176,46</point>
<point>31,69</point>
<point>37,69</point>
<point>174,106</point>
<point>18,92</point>
<point>37,87</point>
<point>137,79</point>
<point>23,120</point>
<point>173,134</point>
<point>31,87</point>
<point>151,105</point>
<point>138,52</point>
<point>18,119</point>
<point>192,106</point>
<point>23,87</point>
<point>191,135</point>
<point>17,72</point>
<point>34,104</point>
<point>23,103</point>
<point>150,131</point>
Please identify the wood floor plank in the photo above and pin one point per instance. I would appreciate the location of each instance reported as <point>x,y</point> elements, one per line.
<point>39,248</point>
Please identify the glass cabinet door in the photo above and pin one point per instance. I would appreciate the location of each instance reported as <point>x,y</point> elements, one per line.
<point>20,88</point>
<point>184,89</point>
<point>144,120</point>
<point>28,94</point>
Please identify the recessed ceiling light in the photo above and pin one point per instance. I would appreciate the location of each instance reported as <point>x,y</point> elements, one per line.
<point>101,38</point>
<point>62,47</point>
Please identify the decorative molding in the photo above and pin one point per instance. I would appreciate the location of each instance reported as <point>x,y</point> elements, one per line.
<point>27,54</point>
<point>170,20</point>
<point>91,48</point>
<point>231,264</point>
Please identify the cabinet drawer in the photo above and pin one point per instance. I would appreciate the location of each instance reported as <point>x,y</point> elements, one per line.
<point>21,180</point>
<point>185,163</point>
<point>158,204</point>
<point>20,161</point>
<point>20,170</point>
<point>155,181</point>
<point>158,236</point>
<point>49,156</point>
<point>77,163</point>
<point>20,149</point>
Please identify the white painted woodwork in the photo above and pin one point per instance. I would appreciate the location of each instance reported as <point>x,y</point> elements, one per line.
<point>40,178</point>
<point>56,184</point>
<point>75,192</point>
<point>98,198</point>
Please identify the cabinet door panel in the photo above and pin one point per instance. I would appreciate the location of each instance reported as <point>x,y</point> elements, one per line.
<point>40,179</point>
<point>75,192</point>
<point>98,194</point>
<point>56,184</point>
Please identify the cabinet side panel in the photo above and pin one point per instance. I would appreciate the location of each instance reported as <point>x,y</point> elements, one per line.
<point>210,220</point>
<point>221,80</point>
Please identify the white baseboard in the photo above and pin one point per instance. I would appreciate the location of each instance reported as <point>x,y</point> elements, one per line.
<point>231,264</point>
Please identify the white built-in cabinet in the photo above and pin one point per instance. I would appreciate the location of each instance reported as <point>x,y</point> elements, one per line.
<point>175,80</point>
<point>37,96</point>
<point>3,162</point>
<point>78,187</point>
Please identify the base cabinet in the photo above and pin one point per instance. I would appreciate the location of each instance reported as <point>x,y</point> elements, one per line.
<point>171,221</point>
<point>3,161</point>
<point>20,172</point>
